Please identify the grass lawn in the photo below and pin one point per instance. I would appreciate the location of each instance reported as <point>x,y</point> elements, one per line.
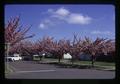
<point>81,62</point>
<point>96,63</point>
<point>107,65</point>
<point>36,59</point>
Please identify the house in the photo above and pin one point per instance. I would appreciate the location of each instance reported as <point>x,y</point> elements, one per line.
<point>67,56</point>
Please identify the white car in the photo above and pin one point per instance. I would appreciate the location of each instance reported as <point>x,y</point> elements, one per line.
<point>14,58</point>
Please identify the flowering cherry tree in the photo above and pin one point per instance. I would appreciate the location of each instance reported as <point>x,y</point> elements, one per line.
<point>15,33</point>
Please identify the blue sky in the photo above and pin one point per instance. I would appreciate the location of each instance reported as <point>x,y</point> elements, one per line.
<point>62,21</point>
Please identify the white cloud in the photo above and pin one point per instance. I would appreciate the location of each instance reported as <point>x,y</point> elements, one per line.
<point>42,26</point>
<point>48,22</point>
<point>64,15</point>
<point>101,32</point>
<point>79,19</point>
<point>70,17</point>
<point>62,12</point>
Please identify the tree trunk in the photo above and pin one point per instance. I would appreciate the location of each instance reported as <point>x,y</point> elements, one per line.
<point>40,58</point>
<point>59,59</point>
<point>93,60</point>
<point>72,60</point>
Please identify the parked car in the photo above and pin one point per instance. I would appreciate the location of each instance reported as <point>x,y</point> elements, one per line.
<point>14,57</point>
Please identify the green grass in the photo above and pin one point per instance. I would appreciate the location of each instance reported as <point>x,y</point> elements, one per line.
<point>105,63</point>
<point>36,59</point>
<point>97,64</point>
<point>76,62</point>
<point>108,65</point>
<point>81,62</point>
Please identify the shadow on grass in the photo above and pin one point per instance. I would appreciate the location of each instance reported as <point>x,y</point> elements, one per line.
<point>64,65</point>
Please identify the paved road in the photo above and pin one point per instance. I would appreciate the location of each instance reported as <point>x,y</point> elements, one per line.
<point>30,70</point>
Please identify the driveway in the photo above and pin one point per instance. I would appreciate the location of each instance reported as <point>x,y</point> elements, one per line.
<point>31,70</point>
